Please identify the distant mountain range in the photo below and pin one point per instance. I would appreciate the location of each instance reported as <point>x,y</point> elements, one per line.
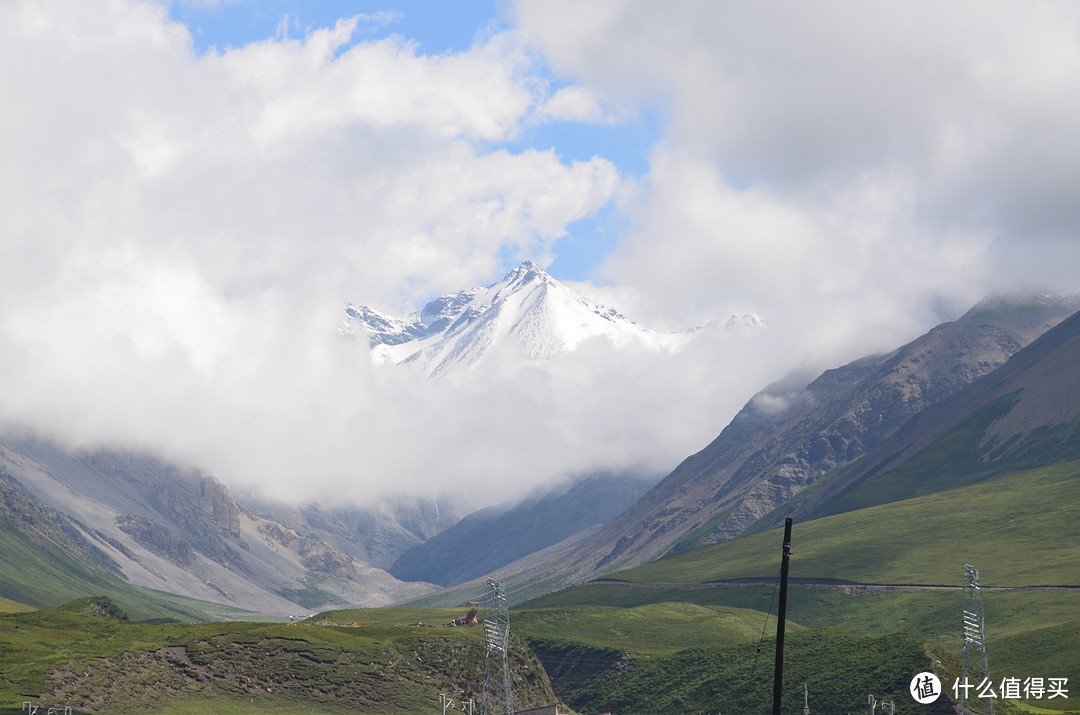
<point>157,525</point>
<point>984,391</point>
<point>130,525</point>
<point>527,313</point>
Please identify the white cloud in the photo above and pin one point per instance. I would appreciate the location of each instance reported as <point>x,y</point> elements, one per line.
<point>573,104</point>
<point>842,167</point>
<point>180,232</point>
<point>303,87</point>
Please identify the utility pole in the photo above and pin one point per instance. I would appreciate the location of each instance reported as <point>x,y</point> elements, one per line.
<point>873,703</point>
<point>805,699</point>
<point>781,615</point>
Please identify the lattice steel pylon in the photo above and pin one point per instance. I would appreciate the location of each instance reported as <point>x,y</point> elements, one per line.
<point>974,654</point>
<point>496,697</point>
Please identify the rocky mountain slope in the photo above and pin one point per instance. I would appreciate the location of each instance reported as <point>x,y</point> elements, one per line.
<point>527,314</point>
<point>33,540</point>
<point>180,531</point>
<point>792,434</point>
<point>1024,415</point>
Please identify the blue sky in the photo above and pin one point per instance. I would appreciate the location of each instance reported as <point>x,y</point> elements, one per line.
<point>439,27</point>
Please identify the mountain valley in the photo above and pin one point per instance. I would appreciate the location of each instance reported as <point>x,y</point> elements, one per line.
<point>959,447</point>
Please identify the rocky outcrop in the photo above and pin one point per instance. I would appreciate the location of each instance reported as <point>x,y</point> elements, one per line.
<point>157,539</point>
<point>198,506</point>
<point>277,534</point>
<point>316,555</point>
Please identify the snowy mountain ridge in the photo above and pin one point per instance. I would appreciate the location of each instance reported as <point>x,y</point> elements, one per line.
<point>527,311</point>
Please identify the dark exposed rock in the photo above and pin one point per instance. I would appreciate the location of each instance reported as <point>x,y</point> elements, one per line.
<point>317,555</point>
<point>157,539</point>
<point>198,506</point>
<point>277,533</point>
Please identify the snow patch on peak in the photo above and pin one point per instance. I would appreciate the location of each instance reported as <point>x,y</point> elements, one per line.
<point>745,323</point>
<point>527,313</point>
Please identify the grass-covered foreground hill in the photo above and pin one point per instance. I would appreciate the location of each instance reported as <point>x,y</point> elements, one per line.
<point>876,597</point>
<point>87,655</point>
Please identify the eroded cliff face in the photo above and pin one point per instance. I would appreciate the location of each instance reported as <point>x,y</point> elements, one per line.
<point>190,507</point>
<point>203,517</point>
<point>157,539</point>
<point>374,535</point>
<point>319,556</point>
<point>178,529</point>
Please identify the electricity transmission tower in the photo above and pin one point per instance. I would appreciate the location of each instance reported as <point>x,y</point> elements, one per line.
<point>496,697</point>
<point>974,654</point>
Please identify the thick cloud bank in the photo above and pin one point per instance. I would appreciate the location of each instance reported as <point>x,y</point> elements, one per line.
<point>180,230</point>
<point>816,152</point>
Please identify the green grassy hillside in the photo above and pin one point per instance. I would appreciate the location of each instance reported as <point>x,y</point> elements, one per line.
<point>839,669</point>
<point>42,565</point>
<point>39,577</point>
<point>960,456</point>
<point>678,657</point>
<point>9,606</point>
<point>649,629</point>
<point>1019,530</point>
<point>85,655</point>
<point>931,614</point>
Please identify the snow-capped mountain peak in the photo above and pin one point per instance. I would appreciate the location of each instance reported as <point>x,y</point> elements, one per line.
<point>527,311</point>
